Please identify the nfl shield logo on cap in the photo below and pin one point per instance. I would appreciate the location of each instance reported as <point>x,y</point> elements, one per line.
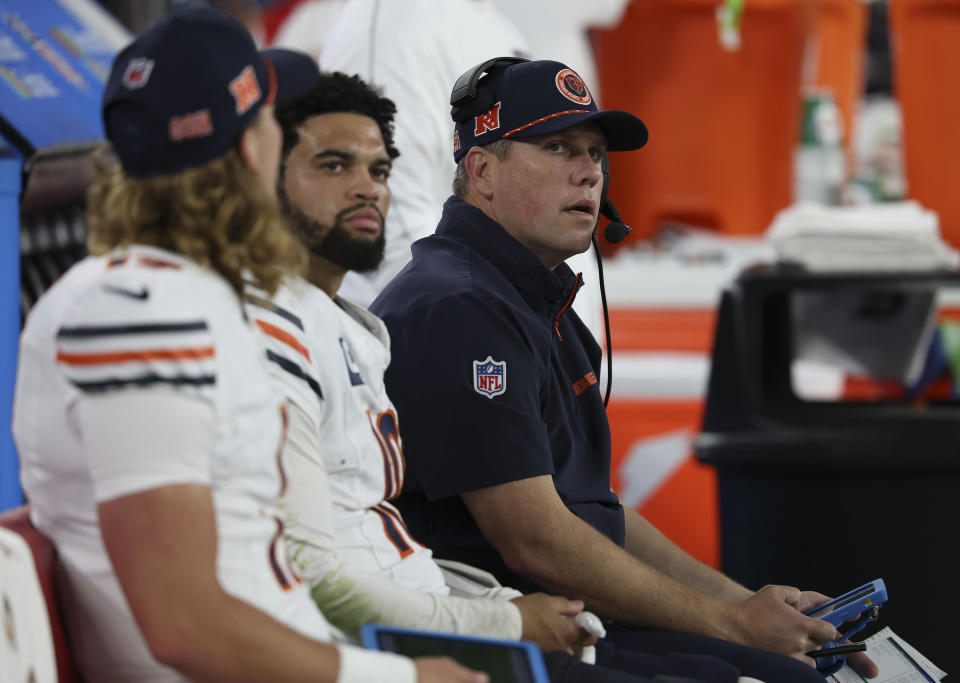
<point>489,377</point>
<point>137,73</point>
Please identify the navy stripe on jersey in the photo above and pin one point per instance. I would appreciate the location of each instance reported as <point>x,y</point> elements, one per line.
<point>273,308</point>
<point>393,512</point>
<point>385,431</point>
<point>145,381</point>
<point>393,532</point>
<point>390,483</point>
<point>87,331</point>
<point>295,370</point>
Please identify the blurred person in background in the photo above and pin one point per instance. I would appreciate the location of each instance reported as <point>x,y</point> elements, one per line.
<point>415,50</point>
<point>301,24</point>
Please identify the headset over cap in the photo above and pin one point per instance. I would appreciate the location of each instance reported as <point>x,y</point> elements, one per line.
<point>181,94</point>
<point>513,98</point>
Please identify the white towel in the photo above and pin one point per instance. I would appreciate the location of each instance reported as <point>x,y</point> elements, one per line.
<point>894,237</point>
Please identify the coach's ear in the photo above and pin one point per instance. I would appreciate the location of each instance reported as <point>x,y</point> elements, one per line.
<point>480,170</point>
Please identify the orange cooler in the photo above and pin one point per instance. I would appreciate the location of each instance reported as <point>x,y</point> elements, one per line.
<point>723,124</point>
<point>925,37</point>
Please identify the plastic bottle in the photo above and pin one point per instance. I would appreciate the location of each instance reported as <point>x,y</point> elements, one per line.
<point>819,161</point>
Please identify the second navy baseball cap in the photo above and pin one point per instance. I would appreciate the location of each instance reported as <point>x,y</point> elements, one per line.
<point>181,93</point>
<point>532,98</point>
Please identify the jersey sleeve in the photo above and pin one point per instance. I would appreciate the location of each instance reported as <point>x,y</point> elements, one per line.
<point>144,379</point>
<point>145,440</point>
<point>104,347</point>
<point>467,386</point>
<point>350,597</point>
<point>287,348</point>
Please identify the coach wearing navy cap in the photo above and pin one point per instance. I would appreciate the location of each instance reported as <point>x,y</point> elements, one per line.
<point>495,378</point>
<point>144,417</point>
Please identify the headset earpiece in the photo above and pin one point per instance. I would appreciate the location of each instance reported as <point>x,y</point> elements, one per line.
<point>468,98</point>
<point>481,102</point>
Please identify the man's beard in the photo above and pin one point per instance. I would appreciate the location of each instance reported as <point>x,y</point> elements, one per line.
<point>335,244</point>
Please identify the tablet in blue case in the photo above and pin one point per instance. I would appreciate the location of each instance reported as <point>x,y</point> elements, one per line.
<point>863,602</point>
<point>507,661</point>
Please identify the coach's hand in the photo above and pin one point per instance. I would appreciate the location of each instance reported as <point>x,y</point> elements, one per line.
<point>545,622</point>
<point>445,670</point>
<point>769,620</point>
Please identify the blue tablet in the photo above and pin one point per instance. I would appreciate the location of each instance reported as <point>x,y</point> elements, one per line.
<point>851,604</point>
<point>863,602</point>
<point>507,661</point>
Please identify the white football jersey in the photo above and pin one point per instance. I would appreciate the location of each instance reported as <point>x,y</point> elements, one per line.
<point>330,356</point>
<point>148,324</point>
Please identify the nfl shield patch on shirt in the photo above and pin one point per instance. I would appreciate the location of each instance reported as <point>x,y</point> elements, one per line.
<point>489,377</point>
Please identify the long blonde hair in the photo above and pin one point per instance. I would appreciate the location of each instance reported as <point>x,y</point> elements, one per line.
<point>217,215</point>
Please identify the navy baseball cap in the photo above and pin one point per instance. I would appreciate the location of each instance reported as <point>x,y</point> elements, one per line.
<point>539,97</point>
<point>182,92</point>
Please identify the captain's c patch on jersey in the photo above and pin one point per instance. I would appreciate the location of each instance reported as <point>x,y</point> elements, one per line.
<point>356,379</point>
<point>489,377</point>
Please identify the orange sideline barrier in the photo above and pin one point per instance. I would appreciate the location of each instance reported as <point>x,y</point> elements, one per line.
<point>685,506</point>
<point>654,329</point>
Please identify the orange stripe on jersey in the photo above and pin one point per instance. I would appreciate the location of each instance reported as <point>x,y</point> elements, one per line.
<point>285,337</point>
<point>573,293</point>
<point>127,356</point>
<point>156,263</point>
<point>403,467</point>
<point>285,423</point>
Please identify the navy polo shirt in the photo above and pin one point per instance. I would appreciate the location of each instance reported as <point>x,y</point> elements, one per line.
<point>495,379</point>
